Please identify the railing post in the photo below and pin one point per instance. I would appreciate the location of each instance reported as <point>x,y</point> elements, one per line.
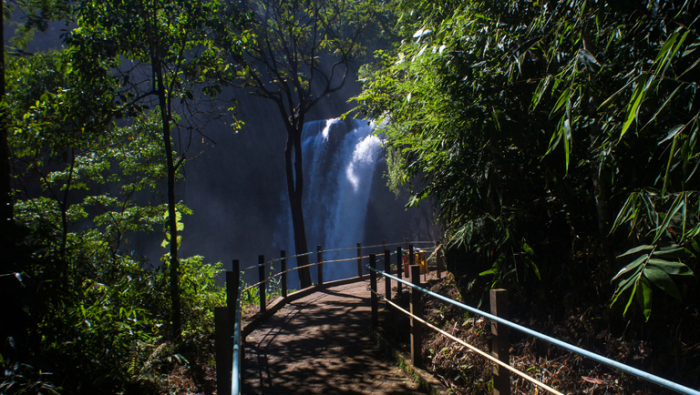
<point>387,269</point>
<point>411,258</point>
<point>224,349</point>
<point>373,287</point>
<point>319,257</point>
<point>501,344</point>
<point>399,266</point>
<point>359,260</point>
<point>262,286</point>
<point>416,333</point>
<point>439,257</point>
<point>233,279</point>
<point>408,242</point>
<point>283,267</point>
<point>383,244</point>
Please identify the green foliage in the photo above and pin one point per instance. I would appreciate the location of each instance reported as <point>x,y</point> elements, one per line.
<point>529,123</point>
<point>652,266</point>
<point>99,315</point>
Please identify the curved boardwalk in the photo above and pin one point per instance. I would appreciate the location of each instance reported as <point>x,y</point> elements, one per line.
<point>320,344</point>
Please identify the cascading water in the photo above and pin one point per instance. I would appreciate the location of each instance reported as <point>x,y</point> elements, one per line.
<point>339,162</point>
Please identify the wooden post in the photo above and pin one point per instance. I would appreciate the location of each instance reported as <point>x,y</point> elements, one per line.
<point>233,279</point>
<point>500,342</point>
<point>224,349</point>
<point>283,267</point>
<point>319,257</point>
<point>262,286</point>
<point>440,259</point>
<point>373,287</point>
<point>359,260</point>
<point>387,270</point>
<point>416,332</point>
<point>399,266</point>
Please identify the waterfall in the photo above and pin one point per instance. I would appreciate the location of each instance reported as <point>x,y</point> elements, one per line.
<point>339,163</point>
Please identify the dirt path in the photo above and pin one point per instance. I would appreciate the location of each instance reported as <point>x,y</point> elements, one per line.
<point>321,345</point>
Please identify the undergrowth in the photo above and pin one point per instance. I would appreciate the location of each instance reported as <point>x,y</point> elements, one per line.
<point>588,326</point>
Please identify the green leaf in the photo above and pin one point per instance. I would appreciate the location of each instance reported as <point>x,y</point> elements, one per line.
<point>644,298</point>
<point>634,264</point>
<point>673,251</point>
<point>644,247</point>
<point>670,267</point>
<point>632,295</point>
<point>657,277</point>
<point>535,269</point>
<point>635,101</point>
<point>539,92</point>
<point>672,133</point>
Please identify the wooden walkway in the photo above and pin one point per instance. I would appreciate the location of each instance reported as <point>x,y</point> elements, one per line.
<point>320,344</point>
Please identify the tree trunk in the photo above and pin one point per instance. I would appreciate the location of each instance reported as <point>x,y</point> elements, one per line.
<point>12,292</point>
<point>172,216</point>
<point>295,188</point>
<point>5,168</point>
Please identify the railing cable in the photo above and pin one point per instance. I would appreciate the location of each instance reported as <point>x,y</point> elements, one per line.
<point>606,361</point>
<point>472,348</point>
<point>333,250</point>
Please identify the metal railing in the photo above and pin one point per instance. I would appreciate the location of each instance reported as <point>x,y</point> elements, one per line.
<point>237,348</point>
<point>230,339</point>
<point>598,358</point>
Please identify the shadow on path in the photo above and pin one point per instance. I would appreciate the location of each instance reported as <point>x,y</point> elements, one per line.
<point>321,345</point>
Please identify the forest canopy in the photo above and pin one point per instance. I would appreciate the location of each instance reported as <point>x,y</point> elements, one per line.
<point>543,130</point>
<point>556,141</point>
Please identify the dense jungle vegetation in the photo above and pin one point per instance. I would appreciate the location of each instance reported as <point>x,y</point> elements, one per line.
<point>556,141</point>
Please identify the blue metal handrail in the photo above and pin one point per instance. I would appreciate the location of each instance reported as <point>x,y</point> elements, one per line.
<point>236,373</point>
<point>599,358</point>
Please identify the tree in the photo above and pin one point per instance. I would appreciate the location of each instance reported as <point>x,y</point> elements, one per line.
<point>519,118</point>
<point>169,45</point>
<point>84,186</point>
<point>5,170</point>
<point>284,61</point>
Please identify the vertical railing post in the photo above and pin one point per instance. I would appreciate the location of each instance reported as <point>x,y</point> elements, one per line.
<point>319,257</point>
<point>262,286</point>
<point>501,344</point>
<point>359,260</point>
<point>383,244</point>
<point>283,267</point>
<point>224,349</point>
<point>439,257</point>
<point>373,287</point>
<point>387,269</point>
<point>411,258</point>
<point>416,332</point>
<point>399,266</point>
<point>233,279</point>
<point>408,242</point>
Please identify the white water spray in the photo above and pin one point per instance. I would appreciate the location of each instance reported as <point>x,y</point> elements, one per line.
<point>339,166</point>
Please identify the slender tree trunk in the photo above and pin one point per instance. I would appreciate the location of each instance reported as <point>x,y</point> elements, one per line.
<point>12,293</point>
<point>601,189</point>
<point>172,216</point>
<point>295,188</point>
<point>5,167</point>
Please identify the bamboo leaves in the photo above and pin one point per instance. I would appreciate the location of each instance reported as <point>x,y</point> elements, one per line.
<point>652,266</point>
